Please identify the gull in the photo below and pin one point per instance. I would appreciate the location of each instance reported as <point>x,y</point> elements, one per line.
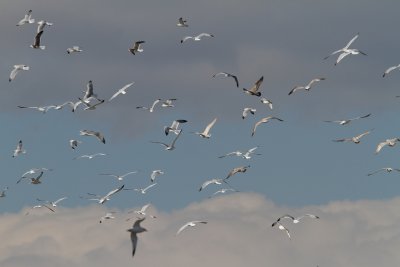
<point>206,132</point>
<point>245,155</point>
<point>167,146</point>
<point>42,24</point>
<point>34,180</point>
<point>90,106</point>
<point>42,109</point>
<point>387,169</point>
<point>144,190</point>
<point>3,192</point>
<point>212,181</point>
<point>107,216</point>
<point>281,227</point>
<point>263,120</point>
<point>74,143</point>
<point>182,23</point>
<point>89,92</point>
<point>27,19</point>
<point>73,105</point>
<point>254,90</point>
<point>347,121</point>
<point>15,71</point>
<point>90,156</point>
<point>390,142</point>
<point>168,103</point>
<point>307,87</point>
<point>98,135</point>
<point>119,177</point>
<point>225,74</point>
<point>142,211</point>
<point>40,206</point>
<point>346,50</point>
<point>36,43</point>
<point>234,153</point>
<point>174,127</point>
<point>267,102</point>
<point>151,109</point>
<point>52,203</point>
<point>390,69</point>
<point>223,191</point>
<point>136,228</point>
<point>191,224</point>
<point>136,47</point>
<point>154,174</point>
<point>237,170</point>
<point>296,219</point>
<point>33,171</point>
<point>19,149</point>
<point>246,111</point>
<point>121,91</point>
<point>196,38</point>
<point>74,49</point>
<point>102,200</point>
<point>354,139</point>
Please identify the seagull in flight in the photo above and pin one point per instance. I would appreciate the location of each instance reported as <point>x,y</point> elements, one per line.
<point>206,132</point>
<point>144,190</point>
<point>347,121</point>
<point>387,169</point>
<point>137,47</point>
<point>263,120</point>
<point>52,203</point>
<point>15,71</point>
<point>154,174</point>
<point>212,181</point>
<point>168,103</point>
<point>306,87</point>
<point>225,74</point>
<point>267,102</point>
<point>169,146</point>
<point>182,23</point>
<point>90,156</point>
<point>74,49</point>
<point>390,69</point>
<point>246,112</point>
<point>296,219</point>
<point>191,224</point>
<point>98,135</point>
<point>121,91</point>
<point>102,200</point>
<point>36,180</point>
<point>346,51</point>
<point>91,106</point>
<point>74,143</point>
<point>27,19</point>
<point>89,92</point>
<point>42,24</point>
<point>354,139</point>
<point>107,216</point>
<point>197,37</point>
<point>174,127</point>
<point>254,90</point>
<point>245,155</point>
<point>237,170</point>
<point>223,191</point>
<point>36,43</point>
<point>390,142</point>
<point>33,171</point>
<point>142,211</point>
<point>19,150</point>
<point>151,109</point>
<point>136,229</point>
<point>3,192</point>
<point>119,177</point>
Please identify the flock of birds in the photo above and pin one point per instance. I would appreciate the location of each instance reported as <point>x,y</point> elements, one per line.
<point>90,101</point>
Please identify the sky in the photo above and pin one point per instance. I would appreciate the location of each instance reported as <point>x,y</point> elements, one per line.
<point>299,169</point>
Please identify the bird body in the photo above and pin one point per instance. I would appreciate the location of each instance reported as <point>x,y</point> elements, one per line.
<point>189,224</point>
<point>354,139</point>
<point>137,47</point>
<point>182,23</point>
<point>206,132</point>
<point>136,229</point>
<point>74,49</point>
<point>263,120</point>
<point>197,37</point>
<point>98,135</point>
<point>36,43</point>
<point>306,87</point>
<point>254,90</point>
<point>225,74</point>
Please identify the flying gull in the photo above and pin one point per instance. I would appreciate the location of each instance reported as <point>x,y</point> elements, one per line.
<point>121,91</point>
<point>245,155</point>
<point>390,142</point>
<point>3,192</point>
<point>90,156</point>
<point>347,121</point>
<point>225,74</point>
<point>52,203</point>
<point>267,102</point>
<point>15,71</point>
<point>390,69</point>
<point>212,181</point>
<point>237,170</point>
<point>136,228</point>
<point>36,44</point>
<point>346,51</point>
<point>103,199</point>
<point>154,174</point>
<point>246,112</point>
<point>89,92</point>
<point>263,120</point>
<point>168,103</point>
<point>107,216</point>
<point>27,19</point>
<point>169,146</point>
<point>387,169</point>
<point>354,139</point>
<point>144,190</point>
<point>182,22</point>
<point>196,38</point>
<point>174,127</point>
<point>42,24</point>
<point>307,87</point>
<point>150,109</point>
<point>74,143</point>
<point>19,150</point>
<point>74,49</point>
<point>119,177</point>
<point>98,135</point>
<point>206,132</point>
<point>191,224</point>
<point>282,228</point>
<point>254,90</point>
<point>296,219</point>
<point>137,47</point>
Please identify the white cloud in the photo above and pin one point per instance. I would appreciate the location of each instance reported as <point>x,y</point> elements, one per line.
<point>238,233</point>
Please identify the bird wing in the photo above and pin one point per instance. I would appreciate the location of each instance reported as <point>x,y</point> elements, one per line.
<point>176,138</point>
<point>112,192</point>
<point>360,117</point>
<point>209,126</point>
<point>380,146</point>
<point>390,69</point>
<point>295,89</point>
<point>341,56</point>
<point>100,137</point>
<point>361,135</point>
<point>182,228</point>
<point>314,81</point>
<point>257,85</point>
<point>256,125</point>
<point>134,240</point>
<point>14,73</point>
<point>58,200</point>
<point>372,173</point>
<point>351,41</point>
<point>148,187</point>
<point>128,173</point>
<point>37,38</point>
<point>155,103</point>
<point>204,35</point>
